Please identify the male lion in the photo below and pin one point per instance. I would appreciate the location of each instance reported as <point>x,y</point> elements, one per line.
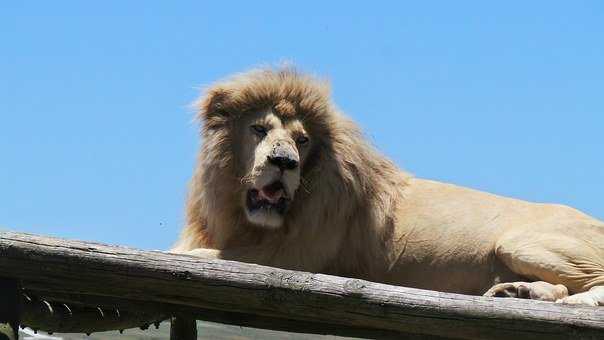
<point>284,179</point>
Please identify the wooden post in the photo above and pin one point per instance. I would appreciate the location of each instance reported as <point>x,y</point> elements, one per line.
<point>9,309</point>
<point>183,328</point>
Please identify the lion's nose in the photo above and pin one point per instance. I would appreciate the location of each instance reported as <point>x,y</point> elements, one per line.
<point>283,161</point>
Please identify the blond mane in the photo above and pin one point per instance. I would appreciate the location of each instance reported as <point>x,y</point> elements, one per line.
<point>345,180</point>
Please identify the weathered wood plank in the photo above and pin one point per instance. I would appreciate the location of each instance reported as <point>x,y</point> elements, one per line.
<point>62,266</point>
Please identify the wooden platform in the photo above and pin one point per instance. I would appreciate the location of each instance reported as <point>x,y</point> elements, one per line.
<point>85,275</point>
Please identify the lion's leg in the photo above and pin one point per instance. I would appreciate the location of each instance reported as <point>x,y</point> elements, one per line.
<point>557,261</point>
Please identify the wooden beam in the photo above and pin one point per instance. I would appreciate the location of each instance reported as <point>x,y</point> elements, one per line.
<point>69,313</point>
<point>63,266</point>
<point>157,311</point>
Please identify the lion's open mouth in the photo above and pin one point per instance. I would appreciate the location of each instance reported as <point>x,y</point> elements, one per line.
<point>270,197</point>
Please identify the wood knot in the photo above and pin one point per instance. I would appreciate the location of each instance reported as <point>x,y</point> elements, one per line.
<point>290,280</point>
<point>354,287</point>
<point>184,275</point>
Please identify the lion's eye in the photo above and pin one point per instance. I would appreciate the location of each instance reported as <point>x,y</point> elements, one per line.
<point>259,129</point>
<point>302,140</point>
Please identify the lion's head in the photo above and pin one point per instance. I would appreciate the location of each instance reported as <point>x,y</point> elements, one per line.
<point>267,124</point>
<point>278,158</point>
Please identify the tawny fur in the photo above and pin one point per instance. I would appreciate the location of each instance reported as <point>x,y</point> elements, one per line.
<point>356,214</point>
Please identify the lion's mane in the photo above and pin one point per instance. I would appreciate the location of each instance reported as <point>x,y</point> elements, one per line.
<point>344,208</point>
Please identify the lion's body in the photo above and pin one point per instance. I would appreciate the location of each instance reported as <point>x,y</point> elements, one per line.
<point>467,237</point>
<point>356,214</point>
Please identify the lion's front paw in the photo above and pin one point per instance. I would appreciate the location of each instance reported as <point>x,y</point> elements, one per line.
<point>579,299</point>
<point>204,253</point>
<point>539,290</point>
<point>593,297</point>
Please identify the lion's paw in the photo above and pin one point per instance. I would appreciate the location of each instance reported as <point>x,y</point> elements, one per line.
<point>204,253</point>
<point>539,290</point>
<point>579,299</point>
<point>593,297</point>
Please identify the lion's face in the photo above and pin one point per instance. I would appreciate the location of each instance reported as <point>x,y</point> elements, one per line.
<point>272,151</point>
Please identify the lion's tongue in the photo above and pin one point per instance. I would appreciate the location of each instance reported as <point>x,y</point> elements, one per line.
<point>271,193</point>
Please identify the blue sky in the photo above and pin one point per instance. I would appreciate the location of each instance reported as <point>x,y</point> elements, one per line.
<point>97,141</point>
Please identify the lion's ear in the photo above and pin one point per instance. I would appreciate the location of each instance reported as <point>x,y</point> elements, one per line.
<point>213,105</point>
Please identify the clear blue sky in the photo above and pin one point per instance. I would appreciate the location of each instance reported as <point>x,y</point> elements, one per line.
<point>97,141</point>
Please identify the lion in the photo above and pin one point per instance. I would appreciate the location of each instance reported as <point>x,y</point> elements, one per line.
<point>284,179</point>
